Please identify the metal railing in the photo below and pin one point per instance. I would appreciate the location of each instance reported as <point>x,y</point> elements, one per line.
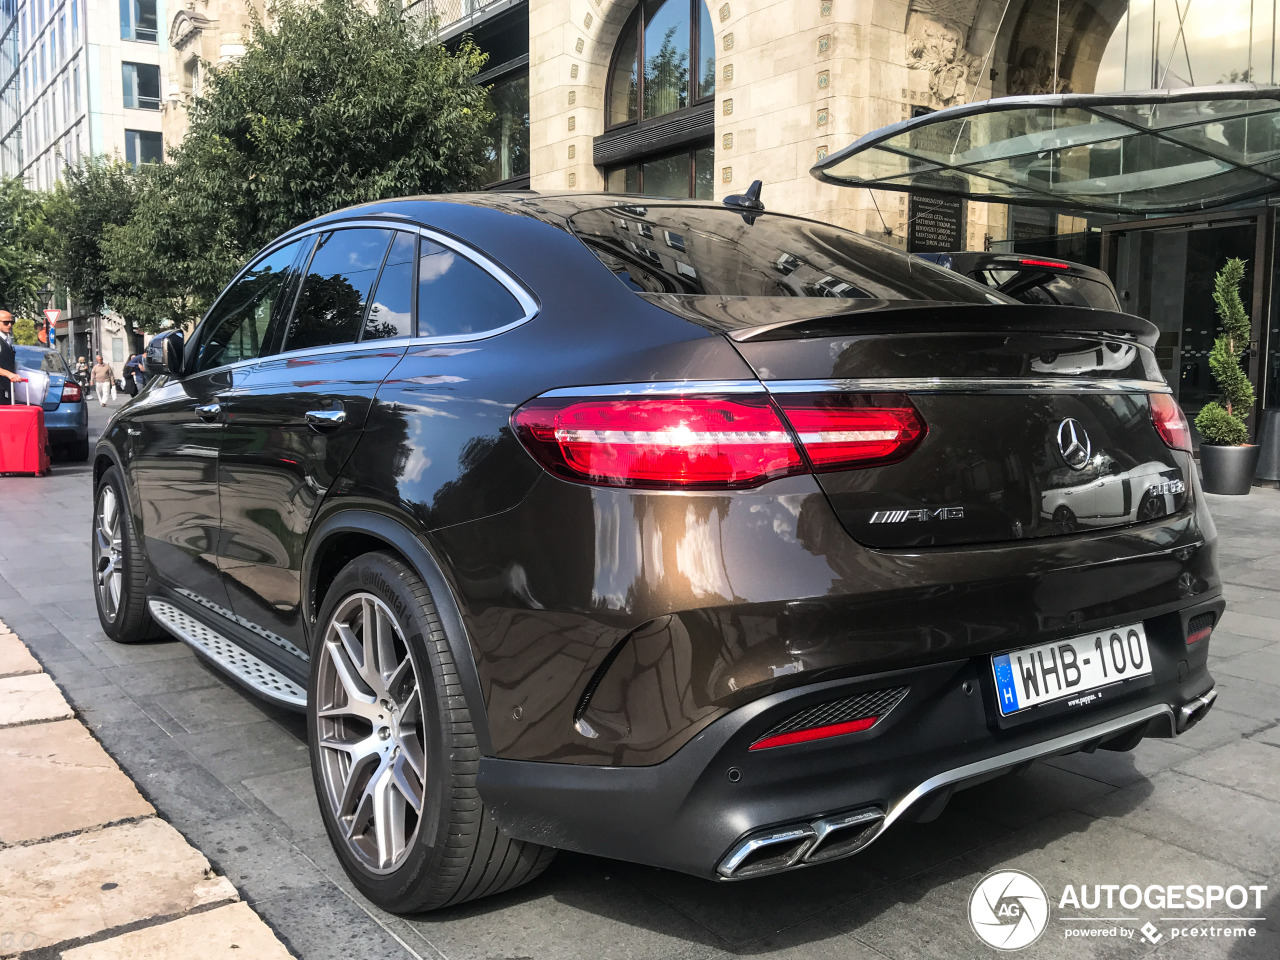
<point>448,12</point>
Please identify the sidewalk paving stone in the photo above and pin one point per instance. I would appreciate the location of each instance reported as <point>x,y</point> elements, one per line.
<point>15,658</point>
<point>29,698</point>
<point>56,779</point>
<point>81,885</point>
<point>233,932</point>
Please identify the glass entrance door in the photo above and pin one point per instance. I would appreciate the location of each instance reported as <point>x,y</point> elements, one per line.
<point>1165,274</point>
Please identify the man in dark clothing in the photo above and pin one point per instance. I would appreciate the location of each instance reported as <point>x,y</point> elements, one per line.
<point>8,358</point>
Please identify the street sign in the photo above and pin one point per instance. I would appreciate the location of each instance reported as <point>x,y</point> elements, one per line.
<point>52,315</point>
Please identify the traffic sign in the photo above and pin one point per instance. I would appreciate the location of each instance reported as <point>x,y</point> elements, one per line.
<point>52,315</point>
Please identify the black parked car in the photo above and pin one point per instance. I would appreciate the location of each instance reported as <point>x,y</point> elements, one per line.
<point>1029,279</point>
<point>667,531</point>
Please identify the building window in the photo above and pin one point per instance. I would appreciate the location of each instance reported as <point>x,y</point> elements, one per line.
<point>191,77</point>
<point>141,86</point>
<point>689,173</point>
<point>509,129</point>
<point>143,146</point>
<point>75,18</point>
<point>62,34</point>
<point>138,20</point>
<point>44,62</point>
<point>75,84</point>
<point>665,61</point>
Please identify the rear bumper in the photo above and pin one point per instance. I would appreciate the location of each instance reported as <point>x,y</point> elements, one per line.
<point>694,811</point>
<point>68,423</point>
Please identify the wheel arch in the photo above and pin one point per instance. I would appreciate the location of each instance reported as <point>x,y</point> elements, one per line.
<point>342,537</point>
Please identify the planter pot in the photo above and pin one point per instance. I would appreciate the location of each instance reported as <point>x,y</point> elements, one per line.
<point>1228,470</point>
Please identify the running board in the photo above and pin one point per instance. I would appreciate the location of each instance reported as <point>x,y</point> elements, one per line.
<point>256,674</point>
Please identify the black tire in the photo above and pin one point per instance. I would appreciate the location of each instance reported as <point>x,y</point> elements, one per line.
<point>456,852</point>
<point>130,620</point>
<point>1064,519</point>
<point>77,451</point>
<point>1151,507</point>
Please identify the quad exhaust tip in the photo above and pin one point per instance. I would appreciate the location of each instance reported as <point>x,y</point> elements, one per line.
<point>1190,714</point>
<point>796,844</point>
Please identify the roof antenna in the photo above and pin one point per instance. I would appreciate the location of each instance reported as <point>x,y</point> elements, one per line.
<point>748,204</point>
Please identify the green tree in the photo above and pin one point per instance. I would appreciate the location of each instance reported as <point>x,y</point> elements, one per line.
<point>22,262</point>
<point>331,105</point>
<point>169,260</point>
<point>98,194</point>
<point>24,332</point>
<point>1221,421</point>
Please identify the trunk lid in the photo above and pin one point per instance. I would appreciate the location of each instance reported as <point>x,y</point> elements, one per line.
<point>1039,420</point>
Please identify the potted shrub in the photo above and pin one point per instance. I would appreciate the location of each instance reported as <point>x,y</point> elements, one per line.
<point>1227,458</point>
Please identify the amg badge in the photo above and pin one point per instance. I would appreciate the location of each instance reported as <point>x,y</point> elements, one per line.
<point>928,513</point>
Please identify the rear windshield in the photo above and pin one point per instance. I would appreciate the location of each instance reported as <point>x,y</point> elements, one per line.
<point>715,251</point>
<point>49,361</point>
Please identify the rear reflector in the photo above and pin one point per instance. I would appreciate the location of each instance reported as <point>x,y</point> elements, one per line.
<point>683,442</point>
<point>1169,422</point>
<point>71,392</point>
<point>815,733</point>
<point>1201,626</point>
<point>840,431</point>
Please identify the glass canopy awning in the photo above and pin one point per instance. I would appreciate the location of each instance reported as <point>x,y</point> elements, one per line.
<point>1158,151</point>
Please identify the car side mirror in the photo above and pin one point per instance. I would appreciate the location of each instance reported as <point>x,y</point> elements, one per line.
<point>164,354</point>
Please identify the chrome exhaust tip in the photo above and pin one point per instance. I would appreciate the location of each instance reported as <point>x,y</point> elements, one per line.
<point>797,844</point>
<point>768,851</point>
<point>1190,714</point>
<point>845,834</point>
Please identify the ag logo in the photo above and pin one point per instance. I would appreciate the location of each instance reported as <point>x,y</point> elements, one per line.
<point>1008,910</point>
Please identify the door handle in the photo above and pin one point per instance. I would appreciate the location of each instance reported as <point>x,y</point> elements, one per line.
<point>209,412</point>
<point>324,420</point>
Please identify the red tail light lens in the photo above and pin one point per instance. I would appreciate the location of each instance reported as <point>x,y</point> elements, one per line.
<point>815,733</point>
<point>840,431</point>
<point>1052,264</point>
<point>71,392</point>
<point>657,442</point>
<point>1169,422</point>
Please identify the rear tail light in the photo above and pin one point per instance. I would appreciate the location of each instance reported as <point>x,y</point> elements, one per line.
<point>839,431</point>
<point>1169,422</point>
<point>713,442</point>
<point>1051,264</point>
<point>71,392</point>
<point>815,733</point>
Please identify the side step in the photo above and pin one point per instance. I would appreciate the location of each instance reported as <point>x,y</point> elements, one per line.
<point>259,676</point>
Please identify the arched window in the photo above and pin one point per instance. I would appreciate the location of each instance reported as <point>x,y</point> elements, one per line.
<point>665,61</point>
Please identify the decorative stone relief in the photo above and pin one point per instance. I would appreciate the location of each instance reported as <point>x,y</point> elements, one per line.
<point>573,123</point>
<point>936,47</point>
<point>573,72</point>
<point>822,153</point>
<point>573,97</point>
<point>728,41</point>
<point>823,116</point>
<point>726,142</point>
<point>726,175</point>
<point>824,79</point>
<point>728,107</point>
<point>724,12</point>
<point>824,44</point>
<point>586,22</point>
<point>728,72</point>
<point>578,46</point>
<point>572,150</point>
<point>826,8</point>
<point>573,179</point>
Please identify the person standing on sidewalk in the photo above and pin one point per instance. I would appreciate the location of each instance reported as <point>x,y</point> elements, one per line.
<point>104,380</point>
<point>8,358</point>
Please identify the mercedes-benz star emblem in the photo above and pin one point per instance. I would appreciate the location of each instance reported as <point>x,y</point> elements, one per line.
<point>1073,444</point>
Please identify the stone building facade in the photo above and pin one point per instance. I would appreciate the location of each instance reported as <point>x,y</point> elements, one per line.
<point>200,32</point>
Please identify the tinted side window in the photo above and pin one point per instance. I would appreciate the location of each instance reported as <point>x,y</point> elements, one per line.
<point>237,325</point>
<point>391,310</point>
<point>336,288</point>
<point>455,297</point>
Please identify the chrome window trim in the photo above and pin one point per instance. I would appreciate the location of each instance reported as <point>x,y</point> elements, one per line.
<point>658,388</point>
<point>523,296</point>
<point>988,385</point>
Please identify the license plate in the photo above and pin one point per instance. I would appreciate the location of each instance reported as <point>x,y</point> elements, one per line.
<point>1069,668</point>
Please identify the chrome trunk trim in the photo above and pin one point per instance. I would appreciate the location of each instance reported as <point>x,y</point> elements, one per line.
<point>988,385</point>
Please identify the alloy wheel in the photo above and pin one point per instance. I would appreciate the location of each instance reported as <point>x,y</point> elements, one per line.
<point>108,559</point>
<point>370,726</point>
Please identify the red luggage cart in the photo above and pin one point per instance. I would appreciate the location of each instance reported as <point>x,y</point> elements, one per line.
<point>24,441</point>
